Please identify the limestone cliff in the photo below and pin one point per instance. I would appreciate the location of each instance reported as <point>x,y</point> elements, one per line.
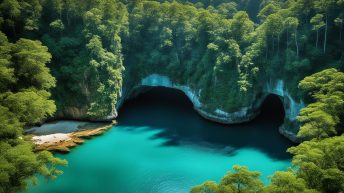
<point>246,113</point>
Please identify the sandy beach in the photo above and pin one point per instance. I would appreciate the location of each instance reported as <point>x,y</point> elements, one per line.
<point>64,140</point>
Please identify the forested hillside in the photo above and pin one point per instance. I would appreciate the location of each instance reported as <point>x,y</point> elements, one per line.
<point>214,49</point>
<point>317,161</point>
<point>83,56</point>
<point>25,84</point>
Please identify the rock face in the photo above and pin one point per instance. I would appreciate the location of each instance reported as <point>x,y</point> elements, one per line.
<point>291,108</point>
<point>245,114</point>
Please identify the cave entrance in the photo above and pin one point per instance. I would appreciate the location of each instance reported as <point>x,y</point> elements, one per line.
<point>155,101</point>
<point>169,100</point>
<point>272,108</point>
<point>169,114</point>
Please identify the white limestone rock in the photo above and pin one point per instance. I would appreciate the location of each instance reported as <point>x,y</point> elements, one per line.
<point>164,81</point>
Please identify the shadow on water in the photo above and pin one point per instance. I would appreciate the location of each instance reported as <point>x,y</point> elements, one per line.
<point>171,113</point>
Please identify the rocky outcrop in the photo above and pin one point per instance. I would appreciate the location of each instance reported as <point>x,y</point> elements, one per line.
<point>245,114</point>
<point>291,107</point>
<point>74,113</point>
<point>63,142</point>
<point>160,80</point>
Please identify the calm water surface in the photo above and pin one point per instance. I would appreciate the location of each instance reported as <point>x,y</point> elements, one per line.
<point>161,145</point>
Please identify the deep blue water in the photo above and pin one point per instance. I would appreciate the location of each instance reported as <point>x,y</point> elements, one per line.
<point>161,145</point>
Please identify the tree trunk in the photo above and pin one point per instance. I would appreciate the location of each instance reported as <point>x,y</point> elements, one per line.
<point>325,39</point>
<point>340,33</point>
<point>273,46</point>
<point>287,52</point>
<point>316,44</point>
<point>296,44</point>
<point>278,44</point>
<point>67,16</point>
<point>287,38</point>
<point>14,31</point>
<point>267,49</point>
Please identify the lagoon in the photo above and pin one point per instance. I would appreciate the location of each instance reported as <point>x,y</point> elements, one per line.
<point>161,145</point>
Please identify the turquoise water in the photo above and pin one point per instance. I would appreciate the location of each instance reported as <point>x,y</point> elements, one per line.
<point>161,145</point>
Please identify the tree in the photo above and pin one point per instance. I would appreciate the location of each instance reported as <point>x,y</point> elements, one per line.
<point>11,10</point>
<point>103,24</point>
<point>57,25</point>
<point>324,6</point>
<point>321,119</point>
<point>287,182</point>
<point>318,22</point>
<point>294,23</point>
<point>107,68</point>
<point>241,180</point>
<point>22,15</point>
<point>6,70</point>
<point>24,100</point>
<point>321,163</point>
<point>10,126</point>
<point>30,58</point>
<point>58,6</point>
<point>317,123</point>
<point>274,24</point>
<point>30,106</point>
<point>241,26</point>
<point>228,9</point>
<point>206,187</point>
<point>339,23</point>
<point>269,9</point>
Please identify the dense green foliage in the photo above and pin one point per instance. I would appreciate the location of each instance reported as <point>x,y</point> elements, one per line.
<point>212,46</point>
<point>244,181</point>
<point>84,39</point>
<point>318,164</point>
<point>206,45</point>
<point>221,49</point>
<point>324,117</point>
<point>225,50</point>
<point>24,100</point>
<point>320,160</point>
<point>287,182</point>
<point>240,180</point>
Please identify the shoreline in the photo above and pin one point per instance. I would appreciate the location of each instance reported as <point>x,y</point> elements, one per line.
<point>64,142</point>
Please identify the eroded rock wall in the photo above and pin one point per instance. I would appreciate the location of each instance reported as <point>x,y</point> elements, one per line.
<point>245,114</point>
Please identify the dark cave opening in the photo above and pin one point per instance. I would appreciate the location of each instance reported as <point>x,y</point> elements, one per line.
<point>160,97</point>
<point>272,108</point>
<point>171,113</point>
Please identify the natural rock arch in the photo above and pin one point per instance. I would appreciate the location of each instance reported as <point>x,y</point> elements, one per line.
<point>291,107</point>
